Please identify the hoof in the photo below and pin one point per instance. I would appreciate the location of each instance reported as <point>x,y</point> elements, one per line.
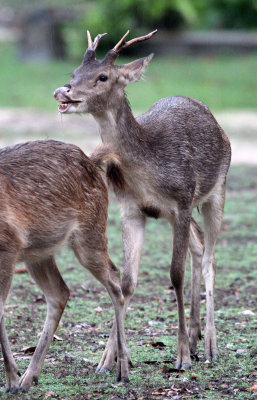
<point>210,357</point>
<point>102,370</point>
<point>22,390</point>
<point>122,379</point>
<point>183,367</point>
<point>12,390</point>
<point>186,366</point>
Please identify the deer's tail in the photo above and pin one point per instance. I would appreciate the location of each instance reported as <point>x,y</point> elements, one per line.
<point>106,159</point>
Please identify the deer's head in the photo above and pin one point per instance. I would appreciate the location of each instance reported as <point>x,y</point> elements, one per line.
<point>97,85</point>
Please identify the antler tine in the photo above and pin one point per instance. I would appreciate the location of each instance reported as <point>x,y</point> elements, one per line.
<point>89,39</point>
<point>139,39</point>
<point>119,45</point>
<point>96,40</point>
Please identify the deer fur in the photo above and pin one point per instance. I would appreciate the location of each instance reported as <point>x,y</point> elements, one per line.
<point>52,194</point>
<point>175,157</point>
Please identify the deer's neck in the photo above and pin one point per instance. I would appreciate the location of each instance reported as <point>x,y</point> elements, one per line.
<point>118,125</point>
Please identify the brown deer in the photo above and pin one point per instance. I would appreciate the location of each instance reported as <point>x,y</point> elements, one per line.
<point>52,194</point>
<point>175,157</point>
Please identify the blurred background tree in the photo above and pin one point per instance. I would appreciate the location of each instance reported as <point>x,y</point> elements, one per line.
<point>56,30</point>
<point>116,16</point>
<point>141,15</point>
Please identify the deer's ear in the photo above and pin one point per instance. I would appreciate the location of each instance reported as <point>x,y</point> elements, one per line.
<point>133,71</point>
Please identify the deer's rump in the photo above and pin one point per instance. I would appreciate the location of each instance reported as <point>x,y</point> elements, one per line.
<point>48,188</point>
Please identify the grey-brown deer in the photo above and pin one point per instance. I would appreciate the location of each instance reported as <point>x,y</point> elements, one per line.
<point>51,194</point>
<point>175,157</point>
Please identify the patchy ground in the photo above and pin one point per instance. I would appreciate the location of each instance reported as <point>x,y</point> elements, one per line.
<point>17,125</point>
<point>151,325</point>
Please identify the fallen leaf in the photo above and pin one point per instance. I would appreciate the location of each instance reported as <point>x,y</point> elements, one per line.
<point>172,390</point>
<point>152,323</point>
<point>150,362</point>
<point>254,373</point>
<point>158,393</point>
<point>241,351</point>
<point>58,338</point>
<point>20,270</point>
<point>22,356</point>
<point>98,309</point>
<point>254,387</point>
<point>40,299</point>
<point>247,312</point>
<point>28,350</point>
<point>157,344</point>
<point>168,370</point>
<point>50,394</point>
<point>11,306</point>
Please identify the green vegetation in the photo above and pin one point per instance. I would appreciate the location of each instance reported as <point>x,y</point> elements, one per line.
<point>222,82</point>
<point>140,16</point>
<point>69,368</point>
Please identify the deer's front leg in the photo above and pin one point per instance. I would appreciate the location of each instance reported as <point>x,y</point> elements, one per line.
<point>7,262</point>
<point>133,224</point>
<point>180,246</point>
<point>46,275</point>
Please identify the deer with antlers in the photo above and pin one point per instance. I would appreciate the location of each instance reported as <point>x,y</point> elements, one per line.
<point>175,157</point>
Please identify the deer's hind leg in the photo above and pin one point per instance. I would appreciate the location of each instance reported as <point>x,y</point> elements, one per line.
<point>7,262</point>
<point>212,211</point>
<point>196,247</point>
<point>181,228</point>
<point>93,255</point>
<point>46,275</point>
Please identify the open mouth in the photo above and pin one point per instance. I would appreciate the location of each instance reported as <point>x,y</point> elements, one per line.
<point>64,106</point>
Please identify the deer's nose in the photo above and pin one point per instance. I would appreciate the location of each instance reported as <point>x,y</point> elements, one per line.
<point>60,93</point>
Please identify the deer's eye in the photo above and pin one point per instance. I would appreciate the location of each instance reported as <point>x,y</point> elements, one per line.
<point>103,78</point>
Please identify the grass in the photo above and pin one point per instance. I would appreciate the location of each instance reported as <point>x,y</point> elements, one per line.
<point>68,371</point>
<point>222,81</point>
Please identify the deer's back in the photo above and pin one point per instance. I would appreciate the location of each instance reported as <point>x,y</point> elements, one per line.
<point>47,188</point>
<point>186,140</point>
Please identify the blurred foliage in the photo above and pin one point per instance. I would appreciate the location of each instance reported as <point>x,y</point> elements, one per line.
<point>138,16</point>
<point>231,14</point>
<point>142,15</point>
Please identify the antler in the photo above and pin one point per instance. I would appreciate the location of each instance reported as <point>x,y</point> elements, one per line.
<point>122,44</point>
<point>93,45</point>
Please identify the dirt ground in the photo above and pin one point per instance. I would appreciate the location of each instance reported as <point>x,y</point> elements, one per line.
<point>17,125</point>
